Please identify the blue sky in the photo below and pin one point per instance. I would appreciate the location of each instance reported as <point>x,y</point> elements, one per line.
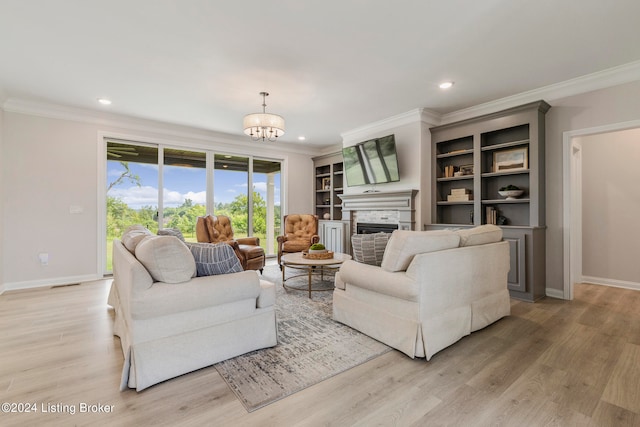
<point>181,183</point>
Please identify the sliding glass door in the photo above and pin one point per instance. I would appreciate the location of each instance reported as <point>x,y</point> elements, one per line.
<point>267,185</point>
<point>184,190</point>
<point>193,184</point>
<point>132,190</point>
<point>253,213</point>
<point>230,191</point>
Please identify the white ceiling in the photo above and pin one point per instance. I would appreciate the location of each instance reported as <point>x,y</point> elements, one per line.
<point>330,66</point>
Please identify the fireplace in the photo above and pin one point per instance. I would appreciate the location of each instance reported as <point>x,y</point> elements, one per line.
<point>395,209</point>
<point>370,228</point>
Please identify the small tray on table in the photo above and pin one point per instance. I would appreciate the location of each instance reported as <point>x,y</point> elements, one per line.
<point>317,255</point>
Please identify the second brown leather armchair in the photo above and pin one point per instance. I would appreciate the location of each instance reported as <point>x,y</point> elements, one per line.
<point>300,232</point>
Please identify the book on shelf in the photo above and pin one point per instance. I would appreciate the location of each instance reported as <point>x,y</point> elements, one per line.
<point>449,171</point>
<point>491,215</point>
<point>460,191</point>
<point>459,197</point>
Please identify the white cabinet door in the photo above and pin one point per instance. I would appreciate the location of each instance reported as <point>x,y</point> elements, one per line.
<point>332,235</point>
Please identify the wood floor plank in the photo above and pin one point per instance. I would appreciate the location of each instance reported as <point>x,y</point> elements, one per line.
<point>549,363</point>
<point>498,374</point>
<point>608,415</point>
<point>535,398</point>
<point>589,358</point>
<point>623,388</point>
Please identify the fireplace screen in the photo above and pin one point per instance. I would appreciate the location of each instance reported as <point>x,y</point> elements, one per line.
<point>370,228</point>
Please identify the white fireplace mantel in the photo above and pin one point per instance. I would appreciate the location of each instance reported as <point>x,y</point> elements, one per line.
<point>401,201</point>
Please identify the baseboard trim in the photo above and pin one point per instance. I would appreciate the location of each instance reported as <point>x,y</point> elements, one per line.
<point>611,282</point>
<point>554,293</point>
<point>47,283</point>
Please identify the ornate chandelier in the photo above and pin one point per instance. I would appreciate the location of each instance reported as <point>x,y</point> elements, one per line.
<point>263,125</point>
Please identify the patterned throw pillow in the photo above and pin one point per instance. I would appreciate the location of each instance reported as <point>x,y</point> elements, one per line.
<point>369,248</point>
<point>171,232</point>
<point>214,258</point>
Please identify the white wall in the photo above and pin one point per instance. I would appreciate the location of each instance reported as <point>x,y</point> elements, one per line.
<point>50,164</point>
<point>2,196</point>
<point>617,104</point>
<point>611,206</point>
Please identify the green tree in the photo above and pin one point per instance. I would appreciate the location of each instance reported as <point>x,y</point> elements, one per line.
<point>118,216</point>
<point>238,212</point>
<point>126,175</point>
<point>147,216</point>
<point>184,217</point>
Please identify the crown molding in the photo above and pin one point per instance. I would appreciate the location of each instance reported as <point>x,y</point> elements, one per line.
<point>430,118</point>
<point>129,123</point>
<point>328,150</point>
<point>414,116</point>
<point>603,79</point>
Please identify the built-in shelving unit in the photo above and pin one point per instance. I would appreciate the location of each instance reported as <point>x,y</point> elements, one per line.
<point>329,181</point>
<point>328,186</point>
<point>473,159</point>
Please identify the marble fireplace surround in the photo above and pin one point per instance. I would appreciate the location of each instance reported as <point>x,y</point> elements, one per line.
<point>396,207</point>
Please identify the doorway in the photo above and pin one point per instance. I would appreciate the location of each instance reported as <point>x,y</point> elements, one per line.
<point>573,152</point>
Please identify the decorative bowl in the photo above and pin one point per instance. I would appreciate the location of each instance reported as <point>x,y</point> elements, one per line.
<point>317,251</point>
<point>511,194</point>
<point>325,254</point>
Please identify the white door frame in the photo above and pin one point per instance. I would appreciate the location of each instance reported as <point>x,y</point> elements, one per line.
<point>572,200</point>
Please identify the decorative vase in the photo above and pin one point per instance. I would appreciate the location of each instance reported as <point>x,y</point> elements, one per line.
<point>511,194</point>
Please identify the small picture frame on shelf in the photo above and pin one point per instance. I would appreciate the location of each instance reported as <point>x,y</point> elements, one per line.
<point>326,183</point>
<point>466,169</point>
<point>511,160</point>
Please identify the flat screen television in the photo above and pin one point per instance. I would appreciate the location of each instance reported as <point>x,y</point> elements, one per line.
<point>371,162</point>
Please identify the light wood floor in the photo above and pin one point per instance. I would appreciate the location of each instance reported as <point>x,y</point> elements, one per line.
<point>550,363</point>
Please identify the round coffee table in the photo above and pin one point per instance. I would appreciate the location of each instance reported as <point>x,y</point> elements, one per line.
<point>296,261</point>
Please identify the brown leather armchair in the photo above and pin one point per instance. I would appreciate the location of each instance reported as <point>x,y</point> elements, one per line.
<point>217,228</point>
<point>300,232</point>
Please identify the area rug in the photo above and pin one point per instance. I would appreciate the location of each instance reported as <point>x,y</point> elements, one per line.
<point>311,346</point>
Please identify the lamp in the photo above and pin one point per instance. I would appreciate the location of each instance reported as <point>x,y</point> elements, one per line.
<point>263,125</point>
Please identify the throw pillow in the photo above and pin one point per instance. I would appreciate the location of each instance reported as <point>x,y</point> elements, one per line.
<point>171,232</point>
<point>166,258</point>
<point>480,235</point>
<point>404,245</point>
<point>134,235</point>
<point>369,248</point>
<point>214,258</point>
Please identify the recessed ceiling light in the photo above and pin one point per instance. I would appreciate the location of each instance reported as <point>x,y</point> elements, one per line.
<point>104,101</point>
<point>446,85</point>
<point>301,138</point>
